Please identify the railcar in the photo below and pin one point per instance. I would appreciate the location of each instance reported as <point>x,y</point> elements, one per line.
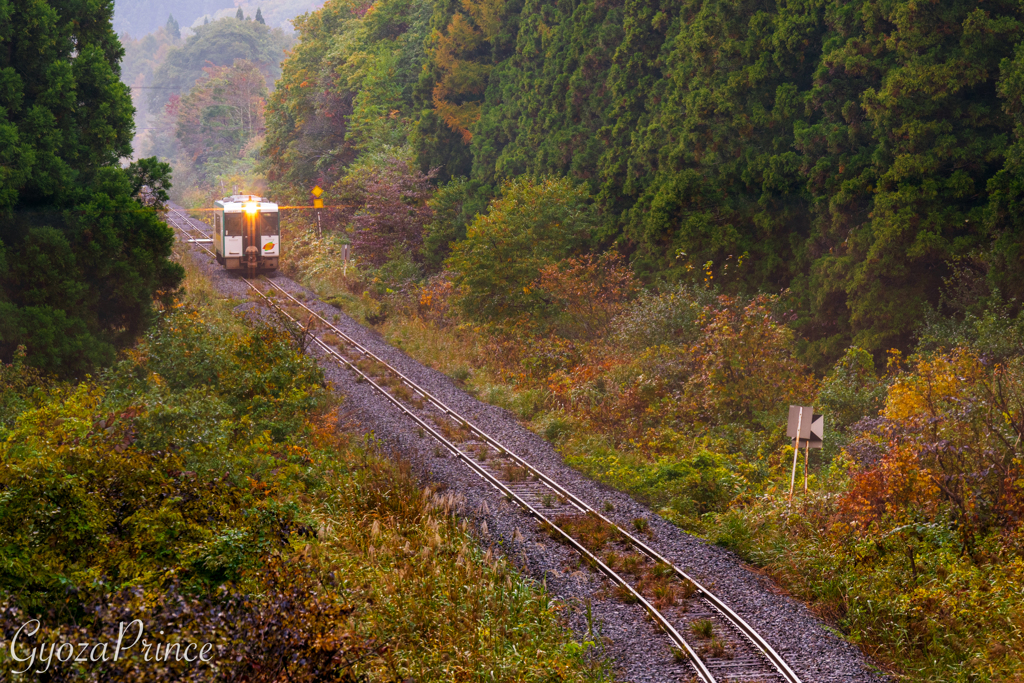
<point>247,233</point>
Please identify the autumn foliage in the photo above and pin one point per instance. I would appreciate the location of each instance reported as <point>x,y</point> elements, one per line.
<point>459,55</point>
<point>221,115</point>
<point>585,293</point>
<point>206,487</point>
<point>951,436</point>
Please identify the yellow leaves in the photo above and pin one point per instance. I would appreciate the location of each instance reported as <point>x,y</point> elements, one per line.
<point>458,117</point>
<point>67,417</point>
<point>486,14</point>
<point>933,383</point>
<point>951,446</point>
<point>462,74</point>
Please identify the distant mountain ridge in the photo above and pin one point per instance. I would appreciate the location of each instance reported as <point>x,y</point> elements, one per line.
<point>277,13</point>
<point>140,17</point>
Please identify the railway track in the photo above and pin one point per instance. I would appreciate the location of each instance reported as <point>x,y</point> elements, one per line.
<point>720,646</point>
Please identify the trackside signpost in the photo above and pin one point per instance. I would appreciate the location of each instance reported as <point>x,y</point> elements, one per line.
<point>317,204</point>
<point>806,426</point>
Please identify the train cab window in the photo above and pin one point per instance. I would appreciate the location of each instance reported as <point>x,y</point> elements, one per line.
<point>216,223</point>
<point>233,224</point>
<point>271,224</point>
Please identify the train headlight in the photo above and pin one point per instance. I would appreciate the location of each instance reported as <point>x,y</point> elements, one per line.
<point>251,207</point>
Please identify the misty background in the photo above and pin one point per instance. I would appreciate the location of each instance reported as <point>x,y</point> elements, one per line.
<point>138,18</point>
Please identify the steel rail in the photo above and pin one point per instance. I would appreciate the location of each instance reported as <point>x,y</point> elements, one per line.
<point>188,221</point>
<point>698,664</point>
<point>748,632</point>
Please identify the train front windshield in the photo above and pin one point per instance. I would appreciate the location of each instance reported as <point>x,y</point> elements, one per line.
<point>233,224</point>
<point>270,224</point>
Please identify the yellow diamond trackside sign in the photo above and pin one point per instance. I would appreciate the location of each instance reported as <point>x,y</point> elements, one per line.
<point>317,191</point>
<point>318,203</point>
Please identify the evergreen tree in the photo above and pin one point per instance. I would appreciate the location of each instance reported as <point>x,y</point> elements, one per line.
<point>908,132</point>
<point>206,21</point>
<point>710,158</point>
<point>239,15</point>
<point>80,259</point>
<point>172,28</point>
<point>259,16</point>
<point>848,150</point>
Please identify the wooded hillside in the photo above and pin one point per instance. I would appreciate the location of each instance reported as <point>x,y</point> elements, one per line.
<point>852,150</point>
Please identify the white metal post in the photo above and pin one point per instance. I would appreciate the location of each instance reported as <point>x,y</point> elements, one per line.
<point>796,454</point>
<point>807,461</point>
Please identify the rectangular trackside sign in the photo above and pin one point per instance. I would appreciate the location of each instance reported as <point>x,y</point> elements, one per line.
<point>811,425</point>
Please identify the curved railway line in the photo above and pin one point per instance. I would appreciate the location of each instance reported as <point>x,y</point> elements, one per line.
<point>676,601</point>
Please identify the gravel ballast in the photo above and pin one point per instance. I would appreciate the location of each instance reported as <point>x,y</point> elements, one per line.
<point>638,649</point>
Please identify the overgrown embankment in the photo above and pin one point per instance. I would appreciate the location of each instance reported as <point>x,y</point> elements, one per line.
<point>203,486</point>
<point>908,539</point>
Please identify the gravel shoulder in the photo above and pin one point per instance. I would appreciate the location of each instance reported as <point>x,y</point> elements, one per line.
<point>637,648</point>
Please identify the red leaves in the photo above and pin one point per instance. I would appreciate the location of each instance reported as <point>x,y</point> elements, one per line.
<point>117,427</point>
<point>587,291</point>
<point>390,208</point>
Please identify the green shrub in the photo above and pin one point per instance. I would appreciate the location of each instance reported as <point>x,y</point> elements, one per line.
<point>528,403</point>
<point>448,224</point>
<point>118,483</point>
<point>397,274</point>
<point>534,223</point>
<point>228,509</point>
<point>23,388</point>
<point>656,318</point>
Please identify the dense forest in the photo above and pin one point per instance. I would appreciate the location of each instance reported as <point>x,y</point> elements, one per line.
<point>199,99</point>
<point>648,227</point>
<point>851,152</point>
<point>81,260</point>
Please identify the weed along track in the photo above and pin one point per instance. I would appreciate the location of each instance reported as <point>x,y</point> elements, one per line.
<point>701,632</point>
